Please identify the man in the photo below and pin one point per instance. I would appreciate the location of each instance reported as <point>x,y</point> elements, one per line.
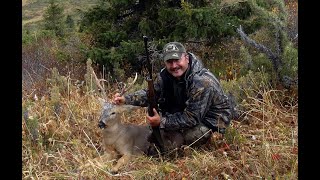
<point>191,100</point>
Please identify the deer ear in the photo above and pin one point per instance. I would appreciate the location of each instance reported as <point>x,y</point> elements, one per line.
<point>101,100</point>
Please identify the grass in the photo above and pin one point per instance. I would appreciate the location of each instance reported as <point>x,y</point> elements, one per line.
<point>262,145</point>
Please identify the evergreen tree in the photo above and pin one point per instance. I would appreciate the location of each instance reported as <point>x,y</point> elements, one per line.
<point>69,22</point>
<point>280,52</point>
<point>53,18</point>
<point>118,26</point>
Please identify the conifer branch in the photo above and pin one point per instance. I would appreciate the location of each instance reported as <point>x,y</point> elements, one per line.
<point>271,55</point>
<point>253,43</point>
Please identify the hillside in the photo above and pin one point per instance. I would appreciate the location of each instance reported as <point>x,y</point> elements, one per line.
<point>32,10</point>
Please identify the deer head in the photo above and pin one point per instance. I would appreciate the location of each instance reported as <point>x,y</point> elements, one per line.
<point>110,112</point>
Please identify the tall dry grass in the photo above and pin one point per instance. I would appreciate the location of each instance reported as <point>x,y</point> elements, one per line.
<point>60,133</point>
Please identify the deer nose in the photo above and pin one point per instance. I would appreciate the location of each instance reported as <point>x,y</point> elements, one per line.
<point>101,125</point>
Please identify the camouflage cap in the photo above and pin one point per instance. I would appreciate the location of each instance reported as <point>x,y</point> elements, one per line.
<point>173,50</point>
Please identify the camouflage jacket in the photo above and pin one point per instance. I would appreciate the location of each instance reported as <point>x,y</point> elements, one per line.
<point>203,100</point>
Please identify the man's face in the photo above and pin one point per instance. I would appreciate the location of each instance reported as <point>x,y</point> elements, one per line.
<point>176,67</point>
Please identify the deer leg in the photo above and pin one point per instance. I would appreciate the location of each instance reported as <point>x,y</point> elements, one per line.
<point>123,160</point>
<point>109,154</point>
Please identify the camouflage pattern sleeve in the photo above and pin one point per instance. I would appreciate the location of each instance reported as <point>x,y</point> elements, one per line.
<point>220,114</point>
<point>138,98</point>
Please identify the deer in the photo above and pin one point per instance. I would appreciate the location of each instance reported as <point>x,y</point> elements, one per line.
<point>126,140</point>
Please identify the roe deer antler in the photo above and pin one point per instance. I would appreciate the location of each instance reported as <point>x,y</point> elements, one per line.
<point>98,81</point>
<point>124,89</point>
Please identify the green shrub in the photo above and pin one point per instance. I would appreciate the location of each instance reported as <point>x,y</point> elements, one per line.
<point>32,37</point>
<point>58,83</point>
<point>233,136</point>
<point>247,86</point>
<point>290,61</point>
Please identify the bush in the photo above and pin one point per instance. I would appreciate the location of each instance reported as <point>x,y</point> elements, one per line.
<point>290,61</point>
<point>29,38</point>
<point>247,86</point>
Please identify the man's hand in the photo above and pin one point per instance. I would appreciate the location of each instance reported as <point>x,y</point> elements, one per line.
<point>118,100</point>
<point>155,119</point>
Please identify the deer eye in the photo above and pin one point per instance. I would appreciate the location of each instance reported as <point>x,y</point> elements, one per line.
<point>113,113</point>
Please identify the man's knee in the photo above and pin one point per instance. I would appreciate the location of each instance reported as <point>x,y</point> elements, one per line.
<point>197,135</point>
